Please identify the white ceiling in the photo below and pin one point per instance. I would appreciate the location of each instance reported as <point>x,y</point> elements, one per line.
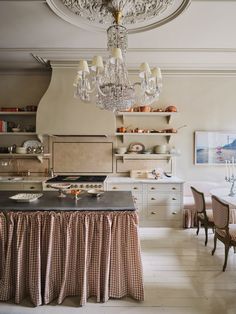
<point>201,38</point>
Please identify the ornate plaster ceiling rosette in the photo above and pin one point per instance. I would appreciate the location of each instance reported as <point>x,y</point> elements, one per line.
<point>138,15</point>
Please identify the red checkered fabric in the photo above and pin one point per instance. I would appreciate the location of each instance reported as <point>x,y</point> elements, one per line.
<point>48,255</point>
<point>3,239</point>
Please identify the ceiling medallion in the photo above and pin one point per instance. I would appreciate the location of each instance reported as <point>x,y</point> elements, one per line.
<point>139,15</point>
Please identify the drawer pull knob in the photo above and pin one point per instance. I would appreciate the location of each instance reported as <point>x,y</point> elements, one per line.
<point>153,213</point>
<point>174,199</point>
<point>32,187</point>
<point>152,188</point>
<point>114,188</point>
<point>173,188</point>
<point>135,188</point>
<point>174,213</point>
<point>153,199</point>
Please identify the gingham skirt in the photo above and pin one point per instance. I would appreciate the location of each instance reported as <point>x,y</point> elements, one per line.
<point>46,255</point>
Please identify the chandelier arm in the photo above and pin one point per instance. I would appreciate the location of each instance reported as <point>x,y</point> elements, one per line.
<point>101,92</point>
<point>146,91</point>
<point>91,83</point>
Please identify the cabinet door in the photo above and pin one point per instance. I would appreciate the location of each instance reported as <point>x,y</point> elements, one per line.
<point>137,194</point>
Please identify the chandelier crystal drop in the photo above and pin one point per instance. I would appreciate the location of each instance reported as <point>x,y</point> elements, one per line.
<point>110,83</point>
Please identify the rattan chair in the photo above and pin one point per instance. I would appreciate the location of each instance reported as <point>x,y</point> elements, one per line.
<point>224,231</point>
<point>204,216</point>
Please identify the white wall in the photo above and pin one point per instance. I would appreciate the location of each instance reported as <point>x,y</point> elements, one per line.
<point>22,88</point>
<point>205,102</point>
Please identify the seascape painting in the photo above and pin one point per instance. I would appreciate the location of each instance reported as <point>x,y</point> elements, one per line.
<point>214,147</point>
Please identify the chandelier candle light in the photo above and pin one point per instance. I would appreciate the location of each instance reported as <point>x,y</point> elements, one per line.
<point>110,83</point>
<point>230,174</point>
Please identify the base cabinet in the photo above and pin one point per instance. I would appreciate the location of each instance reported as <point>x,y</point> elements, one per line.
<point>21,186</point>
<point>159,205</point>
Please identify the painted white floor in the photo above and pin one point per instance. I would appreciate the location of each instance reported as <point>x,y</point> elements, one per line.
<point>180,276</point>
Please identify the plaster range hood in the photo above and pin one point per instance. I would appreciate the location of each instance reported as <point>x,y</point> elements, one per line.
<point>59,113</point>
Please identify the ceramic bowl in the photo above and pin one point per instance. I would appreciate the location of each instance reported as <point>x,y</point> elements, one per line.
<point>121,150</point>
<point>160,149</point>
<point>15,130</point>
<point>21,150</point>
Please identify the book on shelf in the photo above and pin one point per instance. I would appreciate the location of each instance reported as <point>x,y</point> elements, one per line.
<point>3,126</point>
<point>9,109</point>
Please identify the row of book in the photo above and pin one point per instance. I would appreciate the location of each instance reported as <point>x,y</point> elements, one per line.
<point>3,126</point>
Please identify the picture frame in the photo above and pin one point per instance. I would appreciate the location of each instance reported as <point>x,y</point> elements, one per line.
<point>214,147</point>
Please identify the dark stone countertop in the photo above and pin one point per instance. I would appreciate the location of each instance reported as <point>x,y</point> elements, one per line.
<point>109,201</point>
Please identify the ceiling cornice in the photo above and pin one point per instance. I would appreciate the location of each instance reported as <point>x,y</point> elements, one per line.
<point>217,59</point>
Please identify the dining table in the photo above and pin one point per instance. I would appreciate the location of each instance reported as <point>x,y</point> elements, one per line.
<point>223,194</point>
<point>56,247</point>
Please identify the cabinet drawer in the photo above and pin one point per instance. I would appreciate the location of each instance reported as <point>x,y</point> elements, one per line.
<point>163,187</point>
<point>164,213</point>
<point>11,186</point>
<point>125,187</point>
<point>163,199</point>
<point>32,186</point>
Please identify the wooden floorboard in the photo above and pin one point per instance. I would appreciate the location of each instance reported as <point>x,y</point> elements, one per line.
<point>180,277</point>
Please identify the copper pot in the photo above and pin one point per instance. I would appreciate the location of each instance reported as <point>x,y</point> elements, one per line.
<point>171,109</point>
<point>145,108</point>
<point>121,129</point>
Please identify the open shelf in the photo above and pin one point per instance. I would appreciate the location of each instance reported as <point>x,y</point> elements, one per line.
<point>167,135</point>
<point>166,115</point>
<point>14,155</point>
<point>18,133</point>
<point>39,136</point>
<point>144,156</point>
<point>18,113</point>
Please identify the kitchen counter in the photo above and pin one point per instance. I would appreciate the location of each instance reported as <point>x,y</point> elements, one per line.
<point>113,179</point>
<point>109,201</point>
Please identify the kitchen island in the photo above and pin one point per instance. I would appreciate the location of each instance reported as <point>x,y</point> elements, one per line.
<point>57,247</point>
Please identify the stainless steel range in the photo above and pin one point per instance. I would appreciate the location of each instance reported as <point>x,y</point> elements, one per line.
<point>74,182</point>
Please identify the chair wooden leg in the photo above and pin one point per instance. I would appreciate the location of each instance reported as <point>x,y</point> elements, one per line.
<point>198,223</point>
<point>227,246</point>
<point>206,234</point>
<point>215,239</point>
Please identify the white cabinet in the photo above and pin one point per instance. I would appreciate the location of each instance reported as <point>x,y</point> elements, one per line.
<point>163,204</point>
<point>158,204</point>
<point>21,186</point>
<point>137,193</point>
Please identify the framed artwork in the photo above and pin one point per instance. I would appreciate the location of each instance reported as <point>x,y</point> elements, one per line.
<point>215,147</point>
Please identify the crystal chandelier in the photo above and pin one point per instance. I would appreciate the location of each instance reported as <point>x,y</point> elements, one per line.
<point>110,83</point>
